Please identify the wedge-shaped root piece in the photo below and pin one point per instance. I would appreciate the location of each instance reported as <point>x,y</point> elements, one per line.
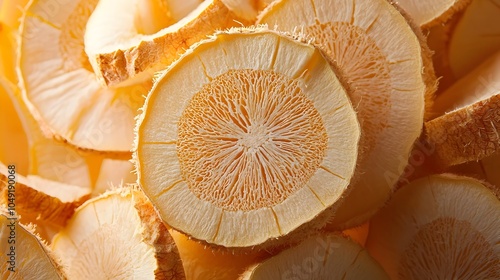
<point>118,236</point>
<point>205,262</point>
<point>24,252</point>
<point>120,48</point>
<point>475,37</point>
<point>439,227</point>
<point>321,257</point>
<point>358,234</point>
<point>468,131</point>
<point>428,13</point>
<point>380,58</point>
<point>60,88</point>
<point>40,199</point>
<point>237,149</point>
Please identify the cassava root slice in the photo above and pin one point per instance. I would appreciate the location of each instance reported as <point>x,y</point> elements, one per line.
<point>31,258</point>
<point>40,199</point>
<point>60,88</point>
<point>322,257</point>
<point>475,37</point>
<point>380,57</point>
<point>136,55</point>
<point>439,227</point>
<point>467,128</point>
<point>118,236</point>
<point>429,13</point>
<point>236,149</point>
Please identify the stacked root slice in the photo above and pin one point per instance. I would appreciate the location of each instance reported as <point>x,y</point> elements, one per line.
<point>118,236</point>
<point>380,57</point>
<point>429,13</point>
<point>38,199</point>
<point>439,227</point>
<point>469,117</point>
<point>475,36</point>
<point>323,257</point>
<point>237,149</point>
<point>24,254</point>
<point>121,52</point>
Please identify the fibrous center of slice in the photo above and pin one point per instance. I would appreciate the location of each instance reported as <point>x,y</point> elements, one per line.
<point>249,139</point>
<point>449,249</point>
<point>365,68</point>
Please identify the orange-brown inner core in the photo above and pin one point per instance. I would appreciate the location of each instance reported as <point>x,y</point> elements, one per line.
<point>366,70</point>
<point>449,249</point>
<point>249,139</point>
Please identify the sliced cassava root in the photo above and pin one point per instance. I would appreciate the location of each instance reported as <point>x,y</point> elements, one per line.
<point>139,55</point>
<point>60,88</point>
<point>468,130</point>
<point>475,37</point>
<point>379,55</point>
<point>31,258</point>
<point>118,236</point>
<point>439,227</point>
<point>321,257</point>
<point>428,13</point>
<point>237,150</point>
<point>40,199</point>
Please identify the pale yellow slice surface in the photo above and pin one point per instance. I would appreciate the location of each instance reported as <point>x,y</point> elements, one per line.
<point>60,88</point>
<point>237,149</point>
<point>429,13</point>
<point>142,39</point>
<point>475,37</point>
<point>439,227</point>
<point>324,257</point>
<point>32,259</point>
<point>117,236</point>
<point>380,58</point>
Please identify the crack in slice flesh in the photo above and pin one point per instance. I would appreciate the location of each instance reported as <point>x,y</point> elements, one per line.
<point>428,231</point>
<point>30,255</point>
<point>141,246</point>
<point>365,39</point>
<point>323,257</point>
<point>256,146</point>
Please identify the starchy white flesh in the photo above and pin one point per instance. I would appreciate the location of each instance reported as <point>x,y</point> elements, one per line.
<point>326,257</point>
<point>204,262</point>
<point>125,50</point>
<point>59,86</point>
<point>32,259</point>
<point>114,173</point>
<point>475,37</point>
<point>117,236</point>
<point>439,227</point>
<point>237,149</point>
<point>40,199</point>
<point>428,13</point>
<point>479,84</point>
<point>380,58</point>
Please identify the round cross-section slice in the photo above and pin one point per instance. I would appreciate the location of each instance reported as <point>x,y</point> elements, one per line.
<point>118,235</point>
<point>324,257</point>
<point>439,227</point>
<point>60,88</point>
<point>428,13</point>
<point>380,57</point>
<point>247,137</point>
<point>24,254</point>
